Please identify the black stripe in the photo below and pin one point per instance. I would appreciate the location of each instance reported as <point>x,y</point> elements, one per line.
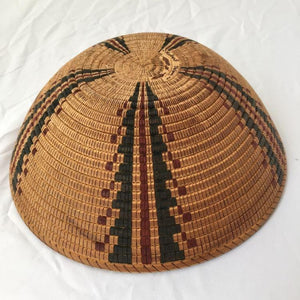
<point>179,44</point>
<point>249,121</point>
<point>122,252</point>
<point>47,95</point>
<point>110,46</point>
<point>168,39</point>
<point>122,42</point>
<point>48,112</point>
<point>117,40</point>
<point>240,89</point>
<point>167,226</point>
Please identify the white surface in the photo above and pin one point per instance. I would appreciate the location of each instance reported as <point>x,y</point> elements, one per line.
<point>261,39</point>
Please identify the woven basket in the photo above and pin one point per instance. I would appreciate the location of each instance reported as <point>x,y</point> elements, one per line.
<point>146,152</point>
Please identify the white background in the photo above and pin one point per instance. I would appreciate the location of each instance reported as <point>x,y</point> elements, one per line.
<point>261,39</point>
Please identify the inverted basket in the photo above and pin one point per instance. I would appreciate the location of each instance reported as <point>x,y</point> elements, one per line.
<point>146,152</point>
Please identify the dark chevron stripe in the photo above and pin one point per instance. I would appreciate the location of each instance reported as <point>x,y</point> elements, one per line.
<point>169,39</point>
<point>122,42</point>
<point>167,226</point>
<point>48,112</point>
<point>47,95</point>
<point>240,89</point>
<point>179,44</point>
<point>249,121</point>
<point>117,44</point>
<point>122,252</point>
<point>108,45</point>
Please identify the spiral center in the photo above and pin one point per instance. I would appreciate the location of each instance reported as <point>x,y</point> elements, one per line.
<point>143,67</point>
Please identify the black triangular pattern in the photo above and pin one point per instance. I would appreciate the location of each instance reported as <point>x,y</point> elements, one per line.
<point>169,249</point>
<point>122,252</point>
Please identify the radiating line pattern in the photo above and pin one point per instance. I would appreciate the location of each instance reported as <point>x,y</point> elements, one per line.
<point>36,129</point>
<point>193,72</point>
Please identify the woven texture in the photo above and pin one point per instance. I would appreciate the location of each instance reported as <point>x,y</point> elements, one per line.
<point>146,152</point>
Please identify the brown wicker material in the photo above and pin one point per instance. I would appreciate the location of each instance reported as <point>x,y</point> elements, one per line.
<point>146,152</point>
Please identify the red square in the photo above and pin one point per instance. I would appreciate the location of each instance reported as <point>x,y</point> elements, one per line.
<point>102,220</point>
<point>191,243</point>
<point>99,246</point>
<point>187,217</point>
<point>182,190</point>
